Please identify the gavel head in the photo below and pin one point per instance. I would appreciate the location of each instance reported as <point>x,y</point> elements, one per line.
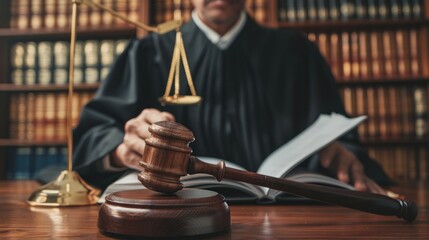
<point>166,157</point>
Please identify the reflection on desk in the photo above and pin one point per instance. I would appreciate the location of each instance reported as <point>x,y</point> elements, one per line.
<point>310,221</point>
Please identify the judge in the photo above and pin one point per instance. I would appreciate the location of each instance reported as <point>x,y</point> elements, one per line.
<point>260,88</point>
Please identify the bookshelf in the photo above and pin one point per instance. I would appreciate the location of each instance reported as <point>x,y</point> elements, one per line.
<point>407,150</point>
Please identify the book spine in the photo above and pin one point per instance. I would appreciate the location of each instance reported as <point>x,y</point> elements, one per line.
<point>382,114</point>
<point>91,60</point>
<point>322,10</point>
<point>36,12</point>
<point>50,9</point>
<point>334,10</point>
<point>361,104</point>
<point>382,9</point>
<point>347,9</point>
<point>39,116</point>
<point>420,112</point>
<point>17,63</point>
<point>13,23</point>
<point>414,52</point>
<point>363,55</point>
<point>301,11</point>
<point>30,76</point>
<point>291,11</point>
<point>335,55</point>
<point>311,10</point>
<point>416,8</point>
<point>346,61</point>
<point>361,9</point>
<point>107,57</point>
<point>62,17</point>
<point>395,9</point>
<point>61,116</point>
<point>106,17</point>
<point>371,111</point>
<point>372,9</point>
<point>23,14</point>
<point>354,56</point>
<point>39,161</point>
<point>22,167</point>
<point>30,128</point>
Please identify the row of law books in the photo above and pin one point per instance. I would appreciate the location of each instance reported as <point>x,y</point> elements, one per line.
<point>165,10</point>
<point>393,112</point>
<point>43,116</point>
<point>333,10</point>
<point>26,162</point>
<point>402,163</point>
<point>362,55</point>
<point>36,14</point>
<point>48,62</point>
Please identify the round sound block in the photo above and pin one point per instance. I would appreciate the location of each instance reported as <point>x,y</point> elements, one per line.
<point>146,213</point>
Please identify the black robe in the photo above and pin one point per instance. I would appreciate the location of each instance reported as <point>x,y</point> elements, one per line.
<point>259,93</point>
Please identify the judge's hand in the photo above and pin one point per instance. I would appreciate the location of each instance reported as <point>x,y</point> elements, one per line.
<point>130,151</point>
<point>344,164</point>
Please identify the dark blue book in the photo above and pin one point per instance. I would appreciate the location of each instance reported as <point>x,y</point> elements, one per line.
<point>372,9</point>
<point>51,156</point>
<point>383,12</point>
<point>62,157</point>
<point>322,10</point>
<point>311,10</point>
<point>22,161</point>
<point>361,9</point>
<point>291,11</point>
<point>334,9</point>
<point>10,163</point>
<point>39,160</point>
<point>347,9</point>
<point>406,9</point>
<point>395,9</point>
<point>301,11</point>
<point>416,8</point>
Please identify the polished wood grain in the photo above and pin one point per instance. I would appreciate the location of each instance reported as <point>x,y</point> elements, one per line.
<point>305,221</point>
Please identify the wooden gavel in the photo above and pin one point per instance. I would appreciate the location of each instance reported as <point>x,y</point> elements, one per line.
<point>167,157</point>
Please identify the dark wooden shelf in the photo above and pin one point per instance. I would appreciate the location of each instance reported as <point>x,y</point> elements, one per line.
<point>64,33</point>
<point>30,143</point>
<point>383,81</point>
<point>8,87</point>
<point>395,141</point>
<point>353,24</point>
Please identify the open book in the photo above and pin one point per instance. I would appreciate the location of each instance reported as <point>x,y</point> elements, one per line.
<point>279,163</point>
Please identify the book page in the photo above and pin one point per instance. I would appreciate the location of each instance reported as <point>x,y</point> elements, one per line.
<point>323,131</point>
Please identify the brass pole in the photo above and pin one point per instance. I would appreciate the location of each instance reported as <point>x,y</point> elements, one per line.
<point>70,89</point>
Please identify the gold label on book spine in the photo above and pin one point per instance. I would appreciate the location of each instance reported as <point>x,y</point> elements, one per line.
<point>91,75</point>
<point>17,55</point>
<point>50,20</point>
<point>44,76</point>
<point>30,55</point>
<point>78,76</point>
<point>17,77</point>
<point>91,53</point>
<point>61,51</point>
<point>30,77</point>
<point>23,21</point>
<point>45,54</point>
<point>60,76</point>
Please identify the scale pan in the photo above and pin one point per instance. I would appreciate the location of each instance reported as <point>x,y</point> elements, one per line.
<point>180,100</point>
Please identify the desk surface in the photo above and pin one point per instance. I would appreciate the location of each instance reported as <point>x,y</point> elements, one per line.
<point>18,220</point>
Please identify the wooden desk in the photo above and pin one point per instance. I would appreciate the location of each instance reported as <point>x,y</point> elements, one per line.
<point>18,220</point>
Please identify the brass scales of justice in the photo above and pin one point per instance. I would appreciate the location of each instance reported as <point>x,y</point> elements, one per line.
<point>69,189</point>
<point>169,210</point>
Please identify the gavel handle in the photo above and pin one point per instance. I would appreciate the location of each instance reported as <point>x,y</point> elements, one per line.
<point>363,201</point>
